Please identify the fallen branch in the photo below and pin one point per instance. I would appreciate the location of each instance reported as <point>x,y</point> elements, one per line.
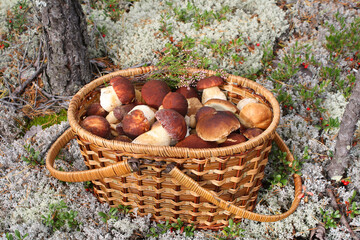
<point>19,90</point>
<point>343,220</point>
<point>340,161</point>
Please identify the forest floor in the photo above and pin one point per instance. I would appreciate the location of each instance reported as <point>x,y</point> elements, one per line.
<point>306,52</point>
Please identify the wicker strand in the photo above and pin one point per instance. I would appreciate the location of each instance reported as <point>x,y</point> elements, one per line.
<point>118,169</point>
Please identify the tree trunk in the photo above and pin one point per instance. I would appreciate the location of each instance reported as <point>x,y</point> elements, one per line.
<point>66,41</point>
<point>340,161</point>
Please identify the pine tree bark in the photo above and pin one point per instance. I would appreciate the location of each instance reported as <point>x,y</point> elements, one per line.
<point>340,161</point>
<point>66,42</point>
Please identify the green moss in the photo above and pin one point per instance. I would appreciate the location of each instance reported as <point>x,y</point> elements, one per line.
<point>47,120</point>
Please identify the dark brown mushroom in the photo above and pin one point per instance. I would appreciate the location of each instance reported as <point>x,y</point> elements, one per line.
<point>153,92</point>
<point>96,109</point>
<point>188,92</point>
<point>135,123</point>
<point>97,125</point>
<point>194,141</point>
<point>123,88</point>
<point>232,139</point>
<point>175,101</point>
<point>252,132</point>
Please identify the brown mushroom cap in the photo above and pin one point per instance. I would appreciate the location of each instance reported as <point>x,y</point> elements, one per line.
<point>214,127</point>
<point>96,109</point>
<point>153,92</point>
<point>204,111</point>
<point>221,105</point>
<point>255,115</point>
<point>194,141</point>
<point>135,123</point>
<point>97,125</point>
<point>173,122</point>
<point>121,111</point>
<point>123,138</point>
<point>175,101</point>
<point>188,92</point>
<point>123,88</point>
<point>252,132</point>
<point>208,82</point>
<point>232,139</point>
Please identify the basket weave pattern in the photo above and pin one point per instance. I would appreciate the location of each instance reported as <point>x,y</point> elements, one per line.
<point>232,173</point>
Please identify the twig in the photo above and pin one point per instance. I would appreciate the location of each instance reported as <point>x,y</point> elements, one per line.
<point>21,88</point>
<point>343,220</point>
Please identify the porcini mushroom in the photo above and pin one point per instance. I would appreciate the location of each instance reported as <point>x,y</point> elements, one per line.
<point>96,109</point>
<point>210,87</point>
<point>232,139</point>
<point>175,101</point>
<point>119,112</point>
<point>169,129</point>
<point>138,121</point>
<point>217,126</point>
<point>255,115</point>
<point>120,91</point>
<point>97,125</point>
<point>194,141</point>
<point>252,132</point>
<point>221,105</point>
<point>153,92</point>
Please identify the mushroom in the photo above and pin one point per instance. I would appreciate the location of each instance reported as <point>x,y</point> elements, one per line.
<point>221,105</point>
<point>232,139</point>
<point>217,126</point>
<point>119,112</point>
<point>97,125</point>
<point>138,121</point>
<point>194,141</point>
<point>210,87</point>
<point>123,138</point>
<point>120,91</point>
<point>153,92</point>
<point>194,105</point>
<point>252,132</point>
<point>188,92</point>
<point>254,114</point>
<point>96,109</point>
<point>169,129</point>
<point>175,101</point>
<point>204,111</point>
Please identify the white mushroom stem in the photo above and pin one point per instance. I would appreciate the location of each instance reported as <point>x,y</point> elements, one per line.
<point>113,130</point>
<point>108,98</point>
<point>157,136</point>
<point>211,93</point>
<point>147,111</point>
<point>111,118</point>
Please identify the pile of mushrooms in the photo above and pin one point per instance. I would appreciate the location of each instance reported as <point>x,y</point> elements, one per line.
<point>200,117</point>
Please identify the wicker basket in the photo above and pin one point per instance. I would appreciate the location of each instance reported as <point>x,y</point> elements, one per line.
<point>206,187</point>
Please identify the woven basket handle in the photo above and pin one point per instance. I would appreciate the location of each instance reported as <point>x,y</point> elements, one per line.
<point>189,183</point>
<point>118,169</point>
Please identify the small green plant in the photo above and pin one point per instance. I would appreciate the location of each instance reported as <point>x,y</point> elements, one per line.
<point>343,40</point>
<point>328,124</point>
<point>47,120</point>
<point>352,208</point>
<point>124,208</point>
<point>285,168</point>
<point>59,216</point>
<point>105,217</point>
<point>178,225</point>
<point>231,231</point>
<point>17,235</point>
<point>33,156</point>
<point>329,218</point>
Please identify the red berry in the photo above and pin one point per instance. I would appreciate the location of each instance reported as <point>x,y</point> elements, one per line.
<point>10,21</point>
<point>291,108</point>
<point>306,65</point>
<point>351,59</point>
<point>285,106</point>
<point>110,5</point>
<point>359,63</point>
<point>321,118</point>
<point>113,10</point>
<point>346,183</point>
<point>103,35</point>
<point>308,109</point>
<point>258,44</point>
<point>20,7</point>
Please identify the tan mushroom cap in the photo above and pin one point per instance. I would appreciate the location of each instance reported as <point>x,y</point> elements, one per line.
<point>221,105</point>
<point>217,126</point>
<point>153,92</point>
<point>188,92</point>
<point>173,122</point>
<point>175,101</point>
<point>232,139</point>
<point>135,123</point>
<point>97,125</point>
<point>208,82</point>
<point>123,88</point>
<point>194,141</point>
<point>255,115</point>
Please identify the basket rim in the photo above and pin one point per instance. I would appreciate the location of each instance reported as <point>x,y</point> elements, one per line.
<point>171,151</point>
